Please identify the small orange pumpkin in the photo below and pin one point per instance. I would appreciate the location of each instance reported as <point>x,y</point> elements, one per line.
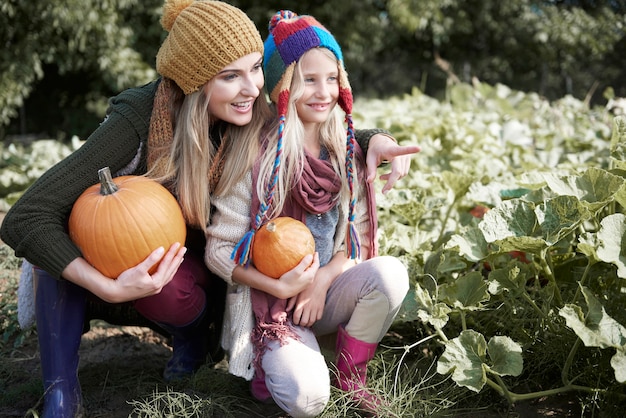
<point>118,222</point>
<point>280,245</point>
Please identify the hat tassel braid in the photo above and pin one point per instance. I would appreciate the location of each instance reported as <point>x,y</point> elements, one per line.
<point>242,253</point>
<point>353,246</point>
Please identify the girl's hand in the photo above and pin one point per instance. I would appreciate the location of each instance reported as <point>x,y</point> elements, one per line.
<point>382,148</point>
<point>308,305</point>
<point>298,278</point>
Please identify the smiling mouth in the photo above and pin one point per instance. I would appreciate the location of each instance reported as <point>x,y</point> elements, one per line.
<point>242,105</point>
<point>319,106</point>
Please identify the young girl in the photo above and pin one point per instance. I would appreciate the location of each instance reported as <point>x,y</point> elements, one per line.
<point>312,170</point>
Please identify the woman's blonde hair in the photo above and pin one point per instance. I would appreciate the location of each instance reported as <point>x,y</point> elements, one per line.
<point>332,136</point>
<point>192,164</point>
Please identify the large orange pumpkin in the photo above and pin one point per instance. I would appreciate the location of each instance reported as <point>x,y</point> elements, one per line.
<point>119,222</point>
<point>280,245</point>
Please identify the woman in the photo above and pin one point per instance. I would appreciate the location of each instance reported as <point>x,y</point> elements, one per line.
<point>309,171</point>
<point>173,130</point>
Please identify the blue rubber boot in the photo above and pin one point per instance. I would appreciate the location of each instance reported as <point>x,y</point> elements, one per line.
<point>60,314</point>
<point>190,348</point>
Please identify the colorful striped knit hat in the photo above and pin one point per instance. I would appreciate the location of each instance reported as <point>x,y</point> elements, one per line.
<point>290,37</point>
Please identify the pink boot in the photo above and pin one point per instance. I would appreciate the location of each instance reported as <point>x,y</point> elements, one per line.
<point>259,388</point>
<point>351,362</point>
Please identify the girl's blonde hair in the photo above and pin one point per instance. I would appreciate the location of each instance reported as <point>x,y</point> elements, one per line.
<point>332,136</point>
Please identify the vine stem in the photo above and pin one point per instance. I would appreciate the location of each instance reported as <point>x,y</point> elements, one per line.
<point>513,397</point>
<point>568,362</point>
<point>583,279</point>
<point>547,270</point>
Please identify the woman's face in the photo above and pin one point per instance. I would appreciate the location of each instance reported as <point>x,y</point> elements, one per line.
<point>235,88</point>
<point>321,87</point>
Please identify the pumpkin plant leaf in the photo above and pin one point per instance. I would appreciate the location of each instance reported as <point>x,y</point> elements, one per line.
<point>458,183</point>
<point>595,186</point>
<point>532,245</point>
<point>511,278</point>
<point>512,218</point>
<point>467,292</point>
<point>559,216</point>
<point>470,243</point>
<point>618,362</point>
<point>596,329</point>
<point>464,357</point>
<point>506,356</point>
<point>426,310</point>
<point>612,242</point>
<point>587,245</point>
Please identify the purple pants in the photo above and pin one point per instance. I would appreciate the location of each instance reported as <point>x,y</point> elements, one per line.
<point>183,299</point>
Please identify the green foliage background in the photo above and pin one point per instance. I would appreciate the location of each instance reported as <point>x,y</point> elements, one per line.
<point>62,59</point>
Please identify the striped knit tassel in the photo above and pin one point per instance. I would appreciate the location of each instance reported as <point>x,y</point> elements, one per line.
<point>242,253</point>
<point>353,246</point>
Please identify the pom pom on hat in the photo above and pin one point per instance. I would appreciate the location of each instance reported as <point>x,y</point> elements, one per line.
<point>204,37</point>
<point>171,10</point>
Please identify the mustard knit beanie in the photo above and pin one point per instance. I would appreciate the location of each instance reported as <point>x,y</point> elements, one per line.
<point>204,37</point>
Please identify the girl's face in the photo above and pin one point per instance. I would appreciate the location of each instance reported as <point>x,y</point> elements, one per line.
<point>321,87</point>
<point>234,90</point>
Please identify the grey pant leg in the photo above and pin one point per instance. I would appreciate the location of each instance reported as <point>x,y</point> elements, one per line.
<point>297,376</point>
<point>366,298</point>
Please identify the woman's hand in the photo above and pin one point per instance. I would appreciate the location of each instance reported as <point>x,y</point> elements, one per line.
<point>134,283</point>
<point>382,148</point>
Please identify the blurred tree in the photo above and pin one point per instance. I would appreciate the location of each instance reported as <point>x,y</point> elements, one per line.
<point>62,59</point>
<point>76,51</point>
<point>553,47</point>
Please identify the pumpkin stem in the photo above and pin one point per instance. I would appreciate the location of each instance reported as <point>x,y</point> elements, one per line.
<point>107,186</point>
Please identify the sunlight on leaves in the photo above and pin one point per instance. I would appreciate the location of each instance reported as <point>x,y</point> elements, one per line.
<point>464,357</point>
<point>470,243</point>
<point>618,362</point>
<point>513,218</point>
<point>612,242</point>
<point>596,329</point>
<point>559,216</point>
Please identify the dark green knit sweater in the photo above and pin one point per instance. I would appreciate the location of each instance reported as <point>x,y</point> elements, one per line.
<point>36,226</point>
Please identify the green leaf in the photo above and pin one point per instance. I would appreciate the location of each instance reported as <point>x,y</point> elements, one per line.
<point>458,183</point>
<point>595,186</point>
<point>512,218</point>
<point>470,243</point>
<point>587,244</point>
<point>618,362</point>
<point>419,305</point>
<point>596,329</point>
<point>559,216</point>
<point>512,278</point>
<point>527,244</point>
<point>506,356</point>
<point>612,242</point>
<point>464,357</point>
<point>467,292</point>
